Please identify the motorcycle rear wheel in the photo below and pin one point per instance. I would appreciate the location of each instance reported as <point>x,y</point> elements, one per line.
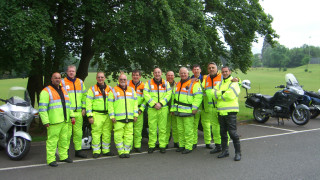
<point>20,150</point>
<point>259,116</point>
<point>314,114</point>
<point>303,118</point>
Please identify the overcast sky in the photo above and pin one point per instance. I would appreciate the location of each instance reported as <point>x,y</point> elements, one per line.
<point>297,22</point>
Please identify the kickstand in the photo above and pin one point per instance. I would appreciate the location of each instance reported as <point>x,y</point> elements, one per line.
<point>280,123</point>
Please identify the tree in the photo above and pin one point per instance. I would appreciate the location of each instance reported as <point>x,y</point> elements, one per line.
<point>38,36</point>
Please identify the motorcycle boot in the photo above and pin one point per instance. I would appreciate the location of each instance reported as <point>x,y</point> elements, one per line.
<point>53,164</point>
<point>80,154</point>
<point>237,156</point>
<point>68,160</point>
<point>216,149</point>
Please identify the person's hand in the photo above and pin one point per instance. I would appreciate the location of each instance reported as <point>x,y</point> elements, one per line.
<point>135,119</point>
<point>194,111</point>
<point>172,113</point>
<point>83,112</point>
<point>235,80</point>
<point>139,112</point>
<point>91,120</point>
<point>73,120</point>
<point>114,120</point>
<point>157,106</point>
<point>47,125</point>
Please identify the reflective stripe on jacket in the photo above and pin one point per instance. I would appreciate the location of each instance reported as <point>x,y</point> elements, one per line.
<point>157,94</point>
<point>139,91</point>
<point>95,101</point>
<point>123,105</point>
<point>77,93</point>
<point>226,93</point>
<point>51,108</point>
<point>187,97</point>
<point>208,84</point>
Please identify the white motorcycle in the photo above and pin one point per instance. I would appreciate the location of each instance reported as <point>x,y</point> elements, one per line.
<point>16,116</point>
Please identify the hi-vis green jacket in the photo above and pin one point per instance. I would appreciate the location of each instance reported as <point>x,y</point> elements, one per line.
<point>123,104</point>
<point>51,108</point>
<point>154,93</point>
<point>95,101</point>
<point>77,93</point>
<point>139,91</point>
<point>226,94</point>
<point>187,96</point>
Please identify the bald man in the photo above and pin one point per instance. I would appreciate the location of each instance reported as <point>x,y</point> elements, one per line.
<point>55,113</point>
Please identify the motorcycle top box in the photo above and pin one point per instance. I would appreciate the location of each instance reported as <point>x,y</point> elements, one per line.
<point>285,103</point>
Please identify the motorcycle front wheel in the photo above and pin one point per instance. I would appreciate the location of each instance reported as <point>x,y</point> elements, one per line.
<point>260,116</point>
<point>18,151</point>
<point>300,116</point>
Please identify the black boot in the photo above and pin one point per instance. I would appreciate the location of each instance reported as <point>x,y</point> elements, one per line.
<point>237,157</point>
<point>225,151</point>
<point>180,149</point>
<point>209,146</point>
<point>176,145</point>
<point>216,149</point>
<point>80,154</point>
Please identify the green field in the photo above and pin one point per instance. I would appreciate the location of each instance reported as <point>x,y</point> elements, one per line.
<point>263,80</point>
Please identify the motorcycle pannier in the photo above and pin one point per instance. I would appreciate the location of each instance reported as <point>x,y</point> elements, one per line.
<point>253,101</point>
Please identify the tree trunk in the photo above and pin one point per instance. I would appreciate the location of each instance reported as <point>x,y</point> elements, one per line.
<point>87,52</point>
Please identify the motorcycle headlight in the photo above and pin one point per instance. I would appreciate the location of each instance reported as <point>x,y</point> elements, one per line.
<point>21,115</point>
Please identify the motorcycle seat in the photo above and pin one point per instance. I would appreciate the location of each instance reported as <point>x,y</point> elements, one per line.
<point>267,98</point>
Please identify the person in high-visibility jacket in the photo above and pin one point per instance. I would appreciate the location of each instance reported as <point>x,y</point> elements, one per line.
<point>205,122</point>
<point>138,86</point>
<point>187,100</point>
<point>97,112</point>
<point>123,108</point>
<point>226,94</point>
<point>209,114</point>
<point>157,93</point>
<point>172,120</point>
<point>77,95</point>
<point>55,114</point>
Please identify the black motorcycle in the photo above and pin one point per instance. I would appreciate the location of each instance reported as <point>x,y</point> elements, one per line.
<point>285,103</point>
<point>312,100</point>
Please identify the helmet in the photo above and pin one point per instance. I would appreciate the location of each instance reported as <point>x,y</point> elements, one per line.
<point>246,84</point>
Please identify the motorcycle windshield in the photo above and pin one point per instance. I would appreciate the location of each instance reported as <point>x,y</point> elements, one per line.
<point>19,96</point>
<point>291,80</point>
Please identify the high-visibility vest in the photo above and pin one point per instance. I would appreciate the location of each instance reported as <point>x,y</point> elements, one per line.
<point>123,105</point>
<point>139,91</point>
<point>51,108</point>
<point>187,97</point>
<point>226,93</point>
<point>95,101</point>
<point>77,93</point>
<point>207,85</point>
<point>154,93</point>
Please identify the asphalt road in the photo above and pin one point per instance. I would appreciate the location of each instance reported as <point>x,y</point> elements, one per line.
<point>269,151</point>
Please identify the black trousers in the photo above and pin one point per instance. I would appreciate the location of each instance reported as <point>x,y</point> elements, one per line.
<point>228,124</point>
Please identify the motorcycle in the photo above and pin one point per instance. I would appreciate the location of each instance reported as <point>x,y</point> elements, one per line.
<point>16,116</point>
<point>312,100</point>
<point>285,103</point>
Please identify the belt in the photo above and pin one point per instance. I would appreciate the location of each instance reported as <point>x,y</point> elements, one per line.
<point>102,111</point>
<point>183,104</point>
<point>125,120</point>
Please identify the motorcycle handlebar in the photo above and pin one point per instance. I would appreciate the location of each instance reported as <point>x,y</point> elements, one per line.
<point>281,86</point>
<point>3,100</point>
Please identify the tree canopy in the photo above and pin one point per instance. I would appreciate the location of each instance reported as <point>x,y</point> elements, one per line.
<point>36,37</point>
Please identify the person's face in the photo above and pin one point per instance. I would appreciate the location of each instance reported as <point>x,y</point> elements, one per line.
<point>136,77</point>
<point>170,77</point>
<point>196,71</point>
<point>100,78</point>
<point>212,69</point>
<point>56,79</point>
<point>225,72</point>
<point>183,74</point>
<point>71,72</point>
<point>157,74</point>
<point>122,80</point>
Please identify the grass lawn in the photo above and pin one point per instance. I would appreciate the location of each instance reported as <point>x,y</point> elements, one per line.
<point>263,80</point>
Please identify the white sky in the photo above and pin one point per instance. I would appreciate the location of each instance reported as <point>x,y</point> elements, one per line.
<point>297,22</point>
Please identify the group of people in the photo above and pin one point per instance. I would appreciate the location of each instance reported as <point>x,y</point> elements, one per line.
<point>175,107</point>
